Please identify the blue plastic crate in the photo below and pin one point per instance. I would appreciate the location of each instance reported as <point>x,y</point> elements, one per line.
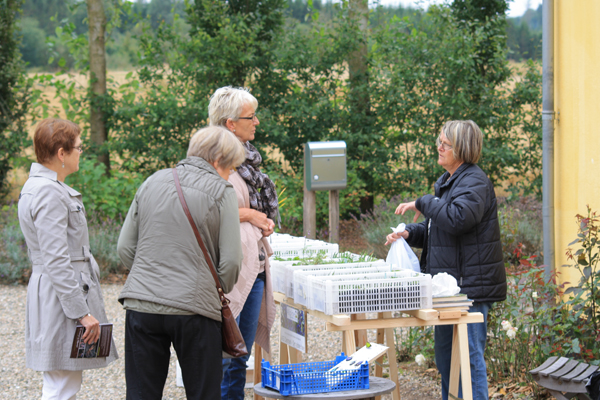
<point>313,377</point>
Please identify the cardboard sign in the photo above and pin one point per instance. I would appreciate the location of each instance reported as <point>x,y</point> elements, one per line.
<point>293,327</point>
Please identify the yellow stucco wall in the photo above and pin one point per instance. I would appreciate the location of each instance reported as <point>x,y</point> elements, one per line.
<point>577,132</point>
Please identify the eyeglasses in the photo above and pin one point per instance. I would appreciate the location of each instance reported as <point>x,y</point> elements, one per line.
<point>252,117</point>
<point>443,145</point>
<point>79,148</point>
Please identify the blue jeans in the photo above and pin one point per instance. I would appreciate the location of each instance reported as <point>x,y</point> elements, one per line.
<point>234,369</point>
<point>477,339</point>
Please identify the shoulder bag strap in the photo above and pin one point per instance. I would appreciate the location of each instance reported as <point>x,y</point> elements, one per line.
<point>199,238</point>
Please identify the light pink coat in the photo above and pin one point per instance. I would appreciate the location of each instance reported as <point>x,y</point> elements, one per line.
<point>251,236</point>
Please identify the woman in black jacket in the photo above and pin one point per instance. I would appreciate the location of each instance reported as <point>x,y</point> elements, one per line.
<point>461,236</point>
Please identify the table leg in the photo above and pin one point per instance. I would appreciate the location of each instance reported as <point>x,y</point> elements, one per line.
<point>359,335</point>
<point>465,362</point>
<point>460,366</point>
<point>257,364</point>
<point>284,357</point>
<point>350,342</point>
<point>454,364</point>
<point>295,355</point>
<point>379,361</point>
<point>390,342</point>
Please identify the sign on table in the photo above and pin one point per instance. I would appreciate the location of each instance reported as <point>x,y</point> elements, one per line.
<point>293,327</point>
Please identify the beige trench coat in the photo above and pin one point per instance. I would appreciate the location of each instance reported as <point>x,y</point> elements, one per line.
<point>64,282</point>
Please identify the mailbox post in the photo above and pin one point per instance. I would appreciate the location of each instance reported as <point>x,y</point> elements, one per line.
<point>324,169</point>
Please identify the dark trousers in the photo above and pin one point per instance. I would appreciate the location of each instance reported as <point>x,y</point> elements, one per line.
<point>197,342</point>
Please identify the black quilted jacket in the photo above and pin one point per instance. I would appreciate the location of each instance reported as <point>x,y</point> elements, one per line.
<point>463,238</point>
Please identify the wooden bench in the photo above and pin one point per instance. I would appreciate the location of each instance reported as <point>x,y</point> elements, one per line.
<point>563,377</point>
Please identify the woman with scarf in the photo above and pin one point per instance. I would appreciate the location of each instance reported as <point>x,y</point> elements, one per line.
<point>252,297</point>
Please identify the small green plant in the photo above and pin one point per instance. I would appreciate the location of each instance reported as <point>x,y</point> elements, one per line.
<point>415,342</point>
<point>585,298</point>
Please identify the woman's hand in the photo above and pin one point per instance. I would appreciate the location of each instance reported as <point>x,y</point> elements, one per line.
<point>268,232</point>
<point>257,219</point>
<point>392,237</point>
<point>92,329</point>
<point>403,207</point>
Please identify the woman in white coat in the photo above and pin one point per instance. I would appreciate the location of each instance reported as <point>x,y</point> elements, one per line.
<point>63,290</point>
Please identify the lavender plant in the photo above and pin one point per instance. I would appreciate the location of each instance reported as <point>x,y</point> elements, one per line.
<point>14,263</point>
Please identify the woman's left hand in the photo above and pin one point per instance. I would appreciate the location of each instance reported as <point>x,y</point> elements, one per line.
<point>403,207</point>
<point>92,329</point>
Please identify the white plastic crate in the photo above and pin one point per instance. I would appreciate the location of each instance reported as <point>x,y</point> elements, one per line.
<point>316,284</point>
<point>289,274</point>
<point>278,273</point>
<point>301,277</point>
<point>408,291</point>
<point>293,250</point>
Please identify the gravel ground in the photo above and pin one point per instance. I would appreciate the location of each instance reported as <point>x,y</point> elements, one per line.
<point>18,382</point>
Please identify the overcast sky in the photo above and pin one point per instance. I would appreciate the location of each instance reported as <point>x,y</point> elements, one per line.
<point>517,7</point>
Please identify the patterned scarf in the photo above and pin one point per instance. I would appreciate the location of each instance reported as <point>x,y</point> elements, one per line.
<point>263,196</point>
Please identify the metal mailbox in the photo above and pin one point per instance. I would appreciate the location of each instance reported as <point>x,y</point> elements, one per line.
<point>325,165</point>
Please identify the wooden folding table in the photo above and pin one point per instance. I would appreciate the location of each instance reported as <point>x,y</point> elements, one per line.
<point>356,325</point>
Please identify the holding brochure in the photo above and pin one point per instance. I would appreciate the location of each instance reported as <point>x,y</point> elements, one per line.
<point>100,348</point>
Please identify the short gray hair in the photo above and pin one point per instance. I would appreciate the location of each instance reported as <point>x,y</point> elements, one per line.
<point>215,143</point>
<point>227,102</point>
<point>466,139</point>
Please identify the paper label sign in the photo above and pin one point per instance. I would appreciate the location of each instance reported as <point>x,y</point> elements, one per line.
<point>293,327</point>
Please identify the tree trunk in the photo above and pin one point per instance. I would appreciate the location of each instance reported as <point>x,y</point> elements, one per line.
<point>357,62</point>
<point>98,134</point>
<point>360,101</point>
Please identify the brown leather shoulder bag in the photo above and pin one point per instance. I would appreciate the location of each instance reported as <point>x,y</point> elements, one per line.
<point>233,342</point>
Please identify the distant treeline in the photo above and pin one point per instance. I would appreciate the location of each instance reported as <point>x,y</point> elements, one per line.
<point>41,18</point>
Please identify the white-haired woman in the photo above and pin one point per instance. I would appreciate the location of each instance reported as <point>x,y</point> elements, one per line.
<point>252,297</point>
<point>170,294</point>
<point>461,236</point>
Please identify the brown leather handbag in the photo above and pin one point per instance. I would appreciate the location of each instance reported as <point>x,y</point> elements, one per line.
<point>233,342</point>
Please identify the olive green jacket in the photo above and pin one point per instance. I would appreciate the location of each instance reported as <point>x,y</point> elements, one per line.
<point>158,244</point>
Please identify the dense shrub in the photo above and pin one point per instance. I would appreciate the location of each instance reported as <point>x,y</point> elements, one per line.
<point>14,261</point>
<point>539,318</point>
<point>15,93</point>
<point>520,226</point>
<point>102,195</point>
<point>375,225</point>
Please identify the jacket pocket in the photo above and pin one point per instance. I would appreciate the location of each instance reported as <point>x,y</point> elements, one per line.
<point>76,214</point>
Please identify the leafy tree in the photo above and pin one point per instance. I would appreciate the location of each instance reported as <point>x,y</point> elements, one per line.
<point>33,46</point>
<point>14,91</point>
<point>523,42</point>
<point>427,75</point>
<point>229,43</point>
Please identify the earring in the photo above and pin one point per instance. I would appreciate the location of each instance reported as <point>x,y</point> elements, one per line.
<point>63,164</point>
<point>234,131</point>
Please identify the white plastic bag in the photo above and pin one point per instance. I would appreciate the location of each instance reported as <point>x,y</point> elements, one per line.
<point>401,255</point>
<point>444,284</point>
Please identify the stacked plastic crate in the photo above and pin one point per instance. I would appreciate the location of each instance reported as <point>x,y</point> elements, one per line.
<point>342,287</point>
